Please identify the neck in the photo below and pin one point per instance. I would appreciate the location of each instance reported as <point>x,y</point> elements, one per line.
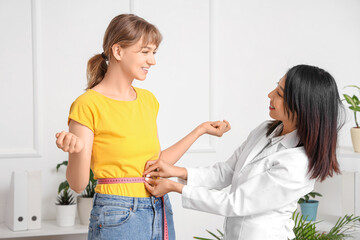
<point>288,127</point>
<point>116,82</point>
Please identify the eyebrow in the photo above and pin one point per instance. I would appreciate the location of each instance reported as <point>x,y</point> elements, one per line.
<point>148,48</point>
<point>280,86</point>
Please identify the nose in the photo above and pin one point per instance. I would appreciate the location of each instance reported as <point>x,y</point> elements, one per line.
<point>270,93</point>
<point>151,60</point>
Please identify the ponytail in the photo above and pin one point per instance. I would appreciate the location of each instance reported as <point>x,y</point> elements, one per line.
<point>96,69</point>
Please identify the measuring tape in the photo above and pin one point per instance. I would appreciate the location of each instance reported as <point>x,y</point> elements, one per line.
<point>135,180</point>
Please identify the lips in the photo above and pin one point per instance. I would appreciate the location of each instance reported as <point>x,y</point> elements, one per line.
<point>145,69</point>
<point>271,107</point>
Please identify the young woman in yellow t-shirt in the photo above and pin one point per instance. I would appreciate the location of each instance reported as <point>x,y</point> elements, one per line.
<point>112,130</point>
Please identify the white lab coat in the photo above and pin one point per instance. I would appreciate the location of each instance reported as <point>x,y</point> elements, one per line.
<point>263,194</point>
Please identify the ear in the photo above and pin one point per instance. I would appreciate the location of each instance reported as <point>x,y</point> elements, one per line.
<point>117,51</point>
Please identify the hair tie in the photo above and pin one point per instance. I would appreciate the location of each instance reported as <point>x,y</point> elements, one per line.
<point>104,56</point>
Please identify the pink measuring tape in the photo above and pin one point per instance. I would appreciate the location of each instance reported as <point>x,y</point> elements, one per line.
<point>135,180</point>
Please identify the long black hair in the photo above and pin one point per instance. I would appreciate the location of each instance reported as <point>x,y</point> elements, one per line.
<point>311,94</point>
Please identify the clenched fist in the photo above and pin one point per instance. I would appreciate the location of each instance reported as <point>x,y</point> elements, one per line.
<point>69,142</point>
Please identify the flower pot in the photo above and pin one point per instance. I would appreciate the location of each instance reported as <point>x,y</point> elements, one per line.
<point>309,210</point>
<point>84,206</point>
<point>65,215</point>
<point>355,137</point>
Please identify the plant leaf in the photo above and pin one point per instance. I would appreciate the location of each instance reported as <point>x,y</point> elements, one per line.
<point>349,100</point>
<point>212,234</point>
<point>65,163</point>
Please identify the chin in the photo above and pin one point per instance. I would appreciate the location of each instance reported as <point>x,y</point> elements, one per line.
<point>140,78</point>
<point>275,118</point>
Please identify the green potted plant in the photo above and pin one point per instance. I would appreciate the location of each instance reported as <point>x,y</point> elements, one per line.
<point>65,206</point>
<point>85,200</point>
<point>309,207</point>
<point>343,228</point>
<point>305,230</point>
<point>354,103</point>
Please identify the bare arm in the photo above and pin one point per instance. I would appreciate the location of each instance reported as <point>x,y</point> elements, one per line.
<point>78,142</point>
<point>176,151</point>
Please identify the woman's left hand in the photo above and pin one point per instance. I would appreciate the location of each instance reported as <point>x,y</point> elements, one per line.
<point>161,168</point>
<point>217,128</point>
<point>158,187</point>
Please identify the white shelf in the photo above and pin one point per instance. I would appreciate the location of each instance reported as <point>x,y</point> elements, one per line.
<point>48,228</point>
<point>348,159</point>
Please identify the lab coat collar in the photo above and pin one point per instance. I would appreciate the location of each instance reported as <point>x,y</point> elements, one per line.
<point>290,140</point>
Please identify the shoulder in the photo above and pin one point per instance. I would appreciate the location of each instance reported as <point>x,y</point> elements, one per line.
<point>294,158</point>
<point>260,130</point>
<point>148,96</point>
<point>144,92</point>
<point>87,96</point>
<point>87,99</point>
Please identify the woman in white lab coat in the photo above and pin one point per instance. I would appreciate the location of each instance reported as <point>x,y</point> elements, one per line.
<point>277,164</point>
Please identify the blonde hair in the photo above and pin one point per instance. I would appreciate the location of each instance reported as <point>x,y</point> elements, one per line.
<point>125,30</point>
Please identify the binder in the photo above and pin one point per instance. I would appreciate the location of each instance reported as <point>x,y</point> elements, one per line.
<point>34,200</point>
<point>16,217</point>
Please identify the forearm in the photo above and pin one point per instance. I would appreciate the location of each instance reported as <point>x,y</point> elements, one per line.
<point>78,170</point>
<point>176,187</point>
<point>176,151</point>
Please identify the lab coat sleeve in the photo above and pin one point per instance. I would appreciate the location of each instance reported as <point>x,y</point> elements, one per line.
<point>219,175</point>
<point>281,184</point>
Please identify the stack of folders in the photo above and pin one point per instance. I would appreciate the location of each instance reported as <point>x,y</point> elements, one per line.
<point>23,210</point>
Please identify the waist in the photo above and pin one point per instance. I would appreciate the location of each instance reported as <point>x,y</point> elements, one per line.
<point>122,188</point>
<point>129,202</point>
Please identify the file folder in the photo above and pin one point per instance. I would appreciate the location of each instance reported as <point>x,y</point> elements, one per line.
<point>34,200</point>
<point>16,217</point>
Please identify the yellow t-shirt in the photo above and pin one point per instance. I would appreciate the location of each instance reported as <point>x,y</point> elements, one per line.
<point>125,137</point>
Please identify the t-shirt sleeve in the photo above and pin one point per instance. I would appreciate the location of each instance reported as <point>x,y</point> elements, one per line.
<point>157,105</point>
<point>82,112</point>
<point>153,101</point>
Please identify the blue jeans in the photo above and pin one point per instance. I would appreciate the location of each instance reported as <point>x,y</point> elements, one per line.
<point>118,217</point>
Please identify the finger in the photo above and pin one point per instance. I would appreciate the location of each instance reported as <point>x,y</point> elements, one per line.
<point>216,124</point>
<point>72,144</point>
<point>151,168</point>
<point>66,142</point>
<point>149,187</point>
<point>57,135</point>
<point>79,145</point>
<point>60,140</point>
<point>152,174</point>
<point>228,126</point>
<point>151,181</point>
<point>149,163</point>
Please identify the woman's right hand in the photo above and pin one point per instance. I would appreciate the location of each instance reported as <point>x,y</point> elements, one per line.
<point>69,142</point>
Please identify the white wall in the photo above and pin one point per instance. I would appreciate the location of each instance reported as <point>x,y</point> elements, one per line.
<point>218,60</point>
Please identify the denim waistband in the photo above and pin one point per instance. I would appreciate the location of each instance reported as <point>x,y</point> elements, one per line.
<point>123,201</point>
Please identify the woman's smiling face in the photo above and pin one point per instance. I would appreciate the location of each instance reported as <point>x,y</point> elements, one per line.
<point>277,110</point>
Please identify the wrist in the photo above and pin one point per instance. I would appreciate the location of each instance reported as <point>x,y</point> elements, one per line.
<point>176,187</point>
<point>200,130</point>
<point>182,173</point>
